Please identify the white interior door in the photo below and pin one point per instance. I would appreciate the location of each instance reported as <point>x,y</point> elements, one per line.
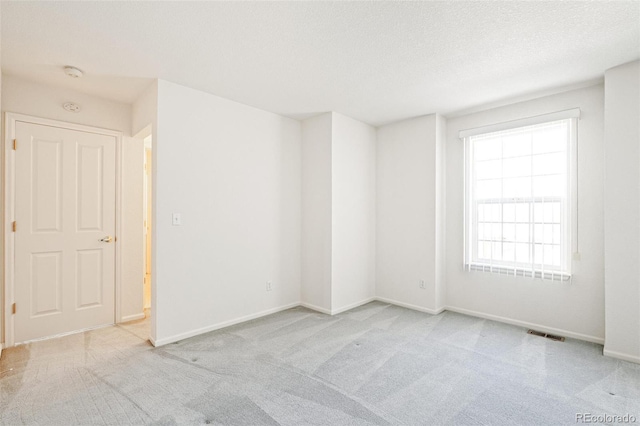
<point>65,227</point>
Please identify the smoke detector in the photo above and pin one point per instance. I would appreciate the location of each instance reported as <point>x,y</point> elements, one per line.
<point>71,107</point>
<point>73,72</point>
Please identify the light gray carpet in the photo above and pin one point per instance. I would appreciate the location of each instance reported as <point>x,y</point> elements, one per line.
<point>378,364</point>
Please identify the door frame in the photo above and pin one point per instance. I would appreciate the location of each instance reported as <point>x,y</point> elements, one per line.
<point>10,120</point>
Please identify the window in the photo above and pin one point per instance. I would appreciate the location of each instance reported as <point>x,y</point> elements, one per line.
<point>519,197</point>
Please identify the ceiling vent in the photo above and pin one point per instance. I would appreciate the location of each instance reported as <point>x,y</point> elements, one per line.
<point>71,107</point>
<point>73,72</point>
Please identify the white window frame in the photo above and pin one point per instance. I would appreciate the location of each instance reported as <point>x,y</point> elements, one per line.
<point>569,234</point>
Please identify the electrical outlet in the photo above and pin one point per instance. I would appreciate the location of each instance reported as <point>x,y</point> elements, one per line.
<point>269,286</point>
<point>421,284</point>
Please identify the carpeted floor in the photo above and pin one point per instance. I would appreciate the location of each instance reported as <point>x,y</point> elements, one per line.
<point>377,364</point>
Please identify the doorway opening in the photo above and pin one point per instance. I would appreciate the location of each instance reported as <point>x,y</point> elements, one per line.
<point>147,222</point>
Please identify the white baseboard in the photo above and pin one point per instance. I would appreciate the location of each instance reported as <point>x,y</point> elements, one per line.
<point>410,306</point>
<point>338,310</point>
<point>132,317</point>
<point>202,330</point>
<point>352,305</point>
<point>315,308</point>
<point>505,320</point>
<point>622,356</point>
<point>550,330</point>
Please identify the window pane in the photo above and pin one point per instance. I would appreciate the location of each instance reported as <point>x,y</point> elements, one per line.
<point>548,186</point>
<point>557,236</point>
<point>487,149</point>
<point>496,232</point>
<point>522,212</point>
<point>495,212</point>
<point>508,252</point>
<point>557,257</point>
<point>522,233</point>
<point>522,253</point>
<point>488,189</point>
<point>543,212</point>
<point>509,232</point>
<point>547,164</point>
<point>517,187</point>
<point>557,212</point>
<point>548,233</point>
<point>538,212</point>
<point>548,212</point>
<point>518,144</point>
<point>543,233</point>
<point>509,212</point>
<point>537,254</point>
<point>488,212</point>
<point>497,251</point>
<point>489,230</point>
<point>514,167</point>
<point>549,256</point>
<point>487,250</point>
<point>488,169</point>
<point>550,139</point>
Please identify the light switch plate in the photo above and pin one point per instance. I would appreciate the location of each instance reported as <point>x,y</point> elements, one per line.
<point>176,219</point>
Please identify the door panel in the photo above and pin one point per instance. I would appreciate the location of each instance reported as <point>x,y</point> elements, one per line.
<point>90,187</point>
<point>46,283</point>
<point>65,197</point>
<point>47,185</point>
<point>89,281</point>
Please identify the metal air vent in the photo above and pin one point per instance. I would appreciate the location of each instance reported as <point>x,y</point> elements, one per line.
<point>547,335</point>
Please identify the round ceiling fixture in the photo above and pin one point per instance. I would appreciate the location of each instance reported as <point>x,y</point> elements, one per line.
<point>71,107</point>
<point>73,72</point>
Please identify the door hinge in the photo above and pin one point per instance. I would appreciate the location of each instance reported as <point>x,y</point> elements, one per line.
<point>14,226</point>
<point>15,144</point>
<point>13,308</point>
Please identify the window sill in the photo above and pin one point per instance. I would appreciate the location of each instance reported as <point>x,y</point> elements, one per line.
<point>519,272</point>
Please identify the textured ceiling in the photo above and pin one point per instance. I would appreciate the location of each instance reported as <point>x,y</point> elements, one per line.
<point>375,61</point>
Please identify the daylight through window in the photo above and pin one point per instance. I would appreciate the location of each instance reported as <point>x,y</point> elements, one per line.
<point>519,196</point>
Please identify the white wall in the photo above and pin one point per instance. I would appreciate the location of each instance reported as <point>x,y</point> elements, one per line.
<point>2,301</point>
<point>144,111</point>
<point>25,97</point>
<point>233,172</point>
<point>573,309</point>
<point>409,177</point>
<point>353,194</point>
<point>622,211</point>
<point>338,212</point>
<point>316,212</point>
<point>440,212</point>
